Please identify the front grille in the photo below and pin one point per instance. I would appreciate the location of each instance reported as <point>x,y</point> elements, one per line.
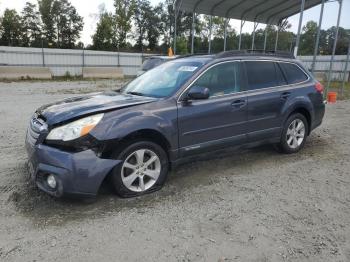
<point>36,127</point>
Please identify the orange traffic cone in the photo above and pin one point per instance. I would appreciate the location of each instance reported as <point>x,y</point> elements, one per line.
<point>170,52</point>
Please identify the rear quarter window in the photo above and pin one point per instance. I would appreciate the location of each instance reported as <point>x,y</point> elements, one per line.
<point>293,73</point>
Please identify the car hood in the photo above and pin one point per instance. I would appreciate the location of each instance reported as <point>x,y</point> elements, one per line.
<point>72,108</point>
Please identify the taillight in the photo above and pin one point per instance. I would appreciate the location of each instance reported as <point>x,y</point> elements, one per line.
<point>319,87</point>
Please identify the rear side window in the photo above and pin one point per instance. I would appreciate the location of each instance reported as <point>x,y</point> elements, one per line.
<point>261,74</point>
<point>293,73</point>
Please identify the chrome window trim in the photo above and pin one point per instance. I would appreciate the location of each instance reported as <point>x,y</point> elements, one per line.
<point>247,91</point>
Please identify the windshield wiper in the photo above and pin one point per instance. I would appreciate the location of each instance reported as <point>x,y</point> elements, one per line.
<point>135,93</point>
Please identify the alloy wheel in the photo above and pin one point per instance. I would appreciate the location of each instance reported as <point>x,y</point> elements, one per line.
<point>295,133</point>
<point>141,170</point>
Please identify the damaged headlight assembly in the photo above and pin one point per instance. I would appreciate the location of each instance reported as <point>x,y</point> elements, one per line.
<point>75,129</point>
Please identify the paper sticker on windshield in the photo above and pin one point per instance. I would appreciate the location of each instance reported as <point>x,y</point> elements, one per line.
<point>187,68</point>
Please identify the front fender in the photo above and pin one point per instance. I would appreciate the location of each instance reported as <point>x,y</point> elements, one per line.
<point>118,127</point>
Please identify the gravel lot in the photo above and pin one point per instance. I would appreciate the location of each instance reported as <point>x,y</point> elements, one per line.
<point>255,205</point>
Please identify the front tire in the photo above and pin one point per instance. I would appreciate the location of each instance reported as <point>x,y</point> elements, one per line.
<point>294,134</point>
<point>144,169</point>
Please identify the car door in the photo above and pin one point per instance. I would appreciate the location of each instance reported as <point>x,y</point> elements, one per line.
<point>266,97</point>
<point>218,121</point>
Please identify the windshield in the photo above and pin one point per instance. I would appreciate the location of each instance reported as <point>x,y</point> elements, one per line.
<point>163,80</point>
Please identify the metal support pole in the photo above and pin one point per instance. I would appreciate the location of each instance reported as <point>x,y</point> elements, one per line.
<point>42,52</point>
<point>240,35</point>
<point>345,70</point>
<point>334,46</point>
<point>210,32</point>
<point>265,39</point>
<point>118,58</point>
<point>193,29</point>
<point>253,40</point>
<point>291,44</point>
<point>175,26</point>
<point>83,57</point>
<point>227,20</point>
<point>317,37</point>
<point>277,35</point>
<point>296,49</point>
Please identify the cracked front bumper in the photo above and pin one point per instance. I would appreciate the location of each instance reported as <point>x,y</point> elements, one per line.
<point>78,173</point>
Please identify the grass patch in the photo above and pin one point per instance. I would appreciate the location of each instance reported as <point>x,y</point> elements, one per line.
<point>336,86</point>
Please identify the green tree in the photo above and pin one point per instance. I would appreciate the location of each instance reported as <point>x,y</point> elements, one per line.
<point>307,38</point>
<point>148,26</point>
<point>61,22</point>
<point>46,13</point>
<point>218,26</point>
<point>31,25</point>
<point>104,38</point>
<point>181,45</point>
<point>167,20</point>
<point>124,10</point>
<point>68,23</point>
<point>142,15</point>
<point>11,28</point>
<point>343,41</point>
<point>217,32</point>
<point>154,27</point>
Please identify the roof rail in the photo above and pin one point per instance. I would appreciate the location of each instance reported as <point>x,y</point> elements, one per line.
<point>254,52</point>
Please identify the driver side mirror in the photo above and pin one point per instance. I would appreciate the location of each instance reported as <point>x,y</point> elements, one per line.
<point>198,93</point>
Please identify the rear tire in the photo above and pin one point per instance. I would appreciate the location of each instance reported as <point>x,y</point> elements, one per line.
<point>144,169</point>
<point>294,134</point>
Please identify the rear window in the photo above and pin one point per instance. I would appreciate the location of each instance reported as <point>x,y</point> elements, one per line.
<point>293,73</point>
<point>261,74</point>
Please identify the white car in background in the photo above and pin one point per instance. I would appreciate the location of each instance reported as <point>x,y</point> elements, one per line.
<point>152,62</point>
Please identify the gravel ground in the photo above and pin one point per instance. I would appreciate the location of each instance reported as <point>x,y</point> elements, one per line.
<point>255,205</point>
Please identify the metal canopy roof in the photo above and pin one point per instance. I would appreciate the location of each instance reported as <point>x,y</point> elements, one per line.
<point>261,11</point>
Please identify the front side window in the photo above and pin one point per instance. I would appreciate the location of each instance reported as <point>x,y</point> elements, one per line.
<point>261,74</point>
<point>293,73</point>
<point>221,79</point>
<point>163,80</point>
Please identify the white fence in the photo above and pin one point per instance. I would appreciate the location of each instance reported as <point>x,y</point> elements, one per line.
<point>72,61</point>
<point>322,66</point>
<point>63,61</point>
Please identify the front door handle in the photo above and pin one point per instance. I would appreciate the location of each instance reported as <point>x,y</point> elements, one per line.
<point>238,103</point>
<point>285,95</point>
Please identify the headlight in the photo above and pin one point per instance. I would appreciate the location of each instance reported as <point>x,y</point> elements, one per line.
<point>75,129</point>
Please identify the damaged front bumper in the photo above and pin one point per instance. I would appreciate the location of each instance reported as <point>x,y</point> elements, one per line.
<point>79,173</point>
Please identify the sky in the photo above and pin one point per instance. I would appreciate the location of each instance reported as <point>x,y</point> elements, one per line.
<point>89,8</point>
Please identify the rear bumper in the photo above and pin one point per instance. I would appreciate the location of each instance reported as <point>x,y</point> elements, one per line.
<point>76,173</point>
<point>318,116</point>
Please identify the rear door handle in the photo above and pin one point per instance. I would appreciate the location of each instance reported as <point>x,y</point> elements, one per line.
<point>285,95</point>
<point>238,103</point>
